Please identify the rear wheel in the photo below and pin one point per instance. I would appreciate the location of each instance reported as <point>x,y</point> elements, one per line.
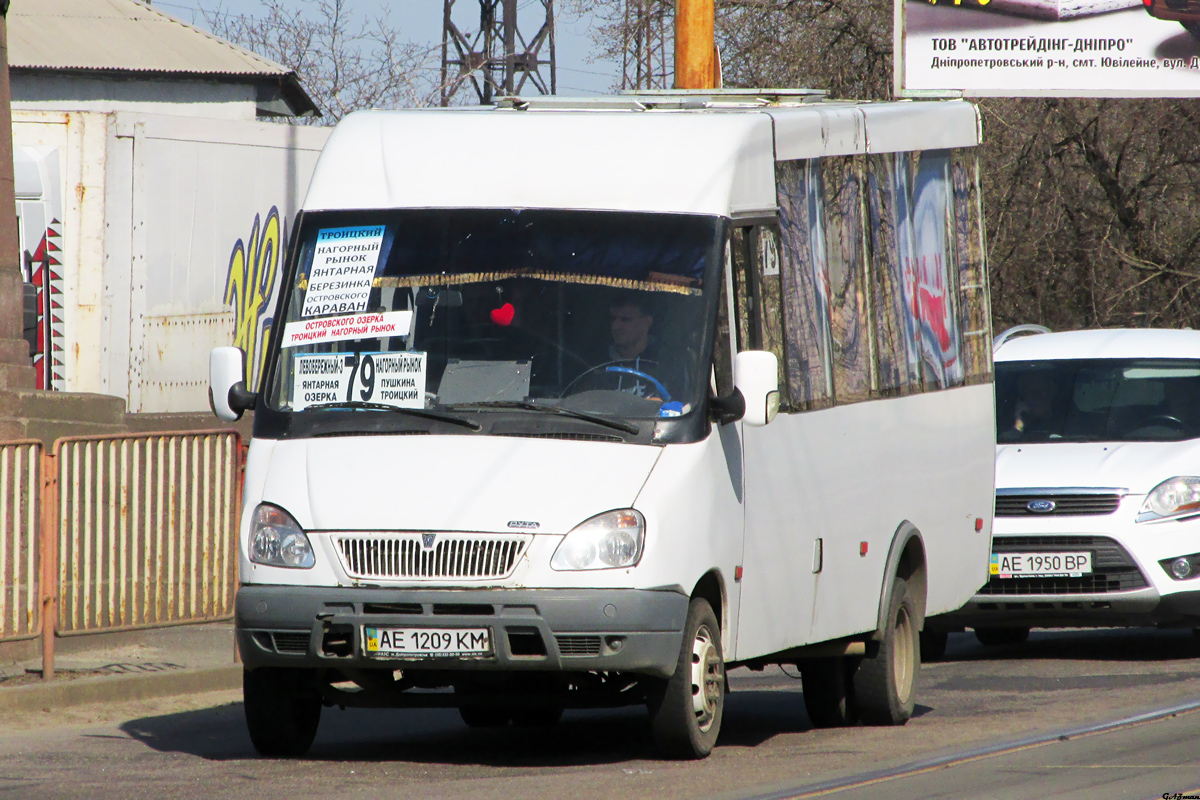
<point>827,686</point>
<point>686,710</point>
<point>1193,28</point>
<point>885,686</point>
<point>997,637</point>
<point>283,709</point>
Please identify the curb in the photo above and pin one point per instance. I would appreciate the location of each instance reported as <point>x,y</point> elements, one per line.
<point>119,688</point>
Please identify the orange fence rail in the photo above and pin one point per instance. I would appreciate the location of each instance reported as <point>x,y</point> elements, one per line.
<point>119,532</point>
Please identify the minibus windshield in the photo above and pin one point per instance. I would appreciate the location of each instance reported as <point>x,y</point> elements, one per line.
<point>1097,400</point>
<point>592,313</point>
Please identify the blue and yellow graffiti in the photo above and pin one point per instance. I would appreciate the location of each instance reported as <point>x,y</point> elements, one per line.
<point>253,270</point>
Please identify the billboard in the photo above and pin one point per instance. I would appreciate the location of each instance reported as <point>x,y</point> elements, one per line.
<point>1064,48</point>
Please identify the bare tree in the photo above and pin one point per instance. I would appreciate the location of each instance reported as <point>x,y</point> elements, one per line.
<point>345,63</point>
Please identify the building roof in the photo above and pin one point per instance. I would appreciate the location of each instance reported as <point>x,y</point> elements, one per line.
<point>128,36</point>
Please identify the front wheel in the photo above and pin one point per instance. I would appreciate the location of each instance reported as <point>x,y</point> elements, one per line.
<point>885,686</point>
<point>283,709</point>
<point>686,709</point>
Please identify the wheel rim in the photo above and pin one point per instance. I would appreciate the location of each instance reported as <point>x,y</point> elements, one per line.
<point>708,678</point>
<point>903,651</point>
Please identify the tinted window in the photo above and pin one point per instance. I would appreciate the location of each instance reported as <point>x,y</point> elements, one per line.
<point>1092,400</point>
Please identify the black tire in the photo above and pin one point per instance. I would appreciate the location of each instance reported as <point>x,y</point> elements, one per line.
<point>885,687</point>
<point>828,685</point>
<point>999,637</point>
<point>283,709</point>
<point>1193,28</point>
<point>686,710</point>
<point>933,646</point>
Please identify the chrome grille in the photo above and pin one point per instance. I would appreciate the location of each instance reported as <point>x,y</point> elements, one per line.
<point>1065,505</point>
<point>404,556</point>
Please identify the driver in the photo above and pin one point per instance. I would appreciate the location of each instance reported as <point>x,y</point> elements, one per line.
<point>631,318</point>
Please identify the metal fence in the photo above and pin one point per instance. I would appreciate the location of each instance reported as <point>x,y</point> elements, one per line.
<point>146,530</point>
<point>20,509</point>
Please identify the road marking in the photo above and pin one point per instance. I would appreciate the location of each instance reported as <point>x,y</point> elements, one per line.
<point>975,754</point>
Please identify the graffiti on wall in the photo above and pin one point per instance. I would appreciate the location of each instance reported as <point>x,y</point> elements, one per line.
<point>46,268</point>
<point>249,288</point>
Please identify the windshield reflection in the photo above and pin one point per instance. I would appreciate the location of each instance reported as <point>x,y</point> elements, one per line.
<point>600,313</point>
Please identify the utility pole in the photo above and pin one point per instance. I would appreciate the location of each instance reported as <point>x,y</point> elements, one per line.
<point>499,58</point>
<point>15,370</point>
<point>696,62</point>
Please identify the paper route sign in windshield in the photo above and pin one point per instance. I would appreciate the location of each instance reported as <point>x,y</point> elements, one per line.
<point>393,379</point>
<point>343,267</point>
<point>372,325</point>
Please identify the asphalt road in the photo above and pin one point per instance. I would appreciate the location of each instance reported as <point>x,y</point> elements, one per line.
<point>978,697</point>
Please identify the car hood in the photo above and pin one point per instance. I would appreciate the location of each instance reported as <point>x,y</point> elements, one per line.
<point>1136,466</point>
<point>463,483</point>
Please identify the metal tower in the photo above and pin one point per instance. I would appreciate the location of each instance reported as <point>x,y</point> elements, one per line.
<point>644,35</point>
<point>498,59</point>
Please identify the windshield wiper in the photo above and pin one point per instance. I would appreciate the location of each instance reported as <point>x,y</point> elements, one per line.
<point>525,405</point>
<point>414,412</point>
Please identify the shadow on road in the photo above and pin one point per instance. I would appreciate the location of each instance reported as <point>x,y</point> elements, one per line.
<point>438,736</point>
<point>1089,644</point>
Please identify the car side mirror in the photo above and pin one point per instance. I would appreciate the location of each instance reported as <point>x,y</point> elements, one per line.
<point>756,376</point>
<point>227,391</point>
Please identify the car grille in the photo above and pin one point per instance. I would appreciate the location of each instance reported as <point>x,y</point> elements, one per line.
<point>1113,569</point>
<point>578,645</point>
<point>403,556</point>
<point>1065,505</point>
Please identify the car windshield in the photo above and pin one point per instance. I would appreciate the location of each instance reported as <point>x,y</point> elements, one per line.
<point>1097,400</point>
<point>599,313</point>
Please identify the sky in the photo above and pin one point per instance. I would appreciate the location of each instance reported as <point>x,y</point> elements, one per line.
<point>422,21</point>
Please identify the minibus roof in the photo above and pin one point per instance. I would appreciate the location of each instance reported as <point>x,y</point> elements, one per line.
<point>627,153</point>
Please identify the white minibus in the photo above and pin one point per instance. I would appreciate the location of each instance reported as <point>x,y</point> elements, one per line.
<point>581,404</point>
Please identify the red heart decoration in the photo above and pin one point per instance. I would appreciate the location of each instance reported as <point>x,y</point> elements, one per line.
<point>504,314</point>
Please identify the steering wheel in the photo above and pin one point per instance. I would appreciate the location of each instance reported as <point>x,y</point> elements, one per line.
<point>618,367</point>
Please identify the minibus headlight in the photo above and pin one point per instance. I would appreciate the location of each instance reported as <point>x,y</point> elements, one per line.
<point>607,541</point>
<point>277,540</point>
<point>1173,497</point>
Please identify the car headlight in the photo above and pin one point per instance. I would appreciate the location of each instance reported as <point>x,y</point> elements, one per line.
<point>1174,497</point>
<point>606,541</point>
<point>277,540</point>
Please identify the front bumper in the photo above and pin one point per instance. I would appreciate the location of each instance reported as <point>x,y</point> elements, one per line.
<point>578,630</point>
<point>1144,607</point>
<point>1127,588</point>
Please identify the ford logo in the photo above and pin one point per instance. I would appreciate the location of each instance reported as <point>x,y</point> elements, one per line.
<point>1040,506</point>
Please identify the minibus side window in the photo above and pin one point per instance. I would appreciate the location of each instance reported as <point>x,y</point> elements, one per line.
<point>804,284</point>
<point>974,311</point>
<point>848,310</point>
<point>897,358</point>
<point>722,354</point>
<point>741,245</point>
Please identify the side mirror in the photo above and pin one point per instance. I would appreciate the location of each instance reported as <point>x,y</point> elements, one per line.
<point>756,376</point>
<point>226,385</point>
